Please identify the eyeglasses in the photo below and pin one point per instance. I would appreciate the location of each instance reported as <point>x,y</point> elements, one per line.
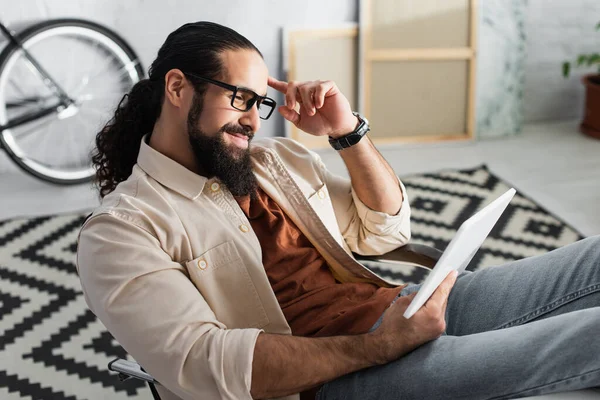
<point>244,99</point>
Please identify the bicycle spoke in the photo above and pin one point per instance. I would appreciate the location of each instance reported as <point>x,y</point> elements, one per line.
<point>65,143</point>
<point>23,104</point>
<point>23,134</point>
<point>85,155</point>
<point>17,88</point>
<point>123,71</point>
<point>22,79</point>
<point>87,78</point>
<point>105,96</point>
<point>44,139</point>
<point>71,73</point>
<point>24,138</point>
<point>78,118</point>
<point>94,111</point>
<point>20,95</point>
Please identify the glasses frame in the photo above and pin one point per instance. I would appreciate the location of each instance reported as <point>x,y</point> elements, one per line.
<point>256,98</point>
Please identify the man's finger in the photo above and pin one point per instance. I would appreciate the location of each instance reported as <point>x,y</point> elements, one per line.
<point>445,302</point>
<point>453,279</point>
<point>306,93</point>
<point>292,95</point>
<point>321,93</point>
<point>411,297</point>
<point>280,86</point>
<point>406,298</point>
<point>444,306</point>
<point>442,292</point>
<point>290,115</point>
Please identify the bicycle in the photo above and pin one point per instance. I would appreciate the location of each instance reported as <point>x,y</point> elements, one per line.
<point>59,81</point>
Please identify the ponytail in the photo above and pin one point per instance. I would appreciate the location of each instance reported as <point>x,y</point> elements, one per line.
<point>118,143</point>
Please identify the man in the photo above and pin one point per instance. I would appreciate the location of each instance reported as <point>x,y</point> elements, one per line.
<point>224,268</point>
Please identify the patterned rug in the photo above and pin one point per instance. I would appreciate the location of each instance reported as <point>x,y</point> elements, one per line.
<point>442,201</point>
<point>52,346</point>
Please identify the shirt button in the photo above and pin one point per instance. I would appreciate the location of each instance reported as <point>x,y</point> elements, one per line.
<point>215,187</point>
<point>243,228</point>
<point>202,264</point>
<point>321,194</point>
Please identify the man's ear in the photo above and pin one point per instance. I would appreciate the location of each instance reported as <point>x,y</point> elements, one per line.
<point>175,82</point>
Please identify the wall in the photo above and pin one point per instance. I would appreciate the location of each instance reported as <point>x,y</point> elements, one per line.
<point>557,31</point>
<point>500,67</point>
<point>146,23</point>
<point>522,45</point>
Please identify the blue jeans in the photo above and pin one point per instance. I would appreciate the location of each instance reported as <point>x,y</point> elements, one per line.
<point>522,329</point>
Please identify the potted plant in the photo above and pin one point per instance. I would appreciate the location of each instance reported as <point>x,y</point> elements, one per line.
<point>591,120</point>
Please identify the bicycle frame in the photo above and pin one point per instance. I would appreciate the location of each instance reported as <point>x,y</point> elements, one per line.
<point>64,99</point>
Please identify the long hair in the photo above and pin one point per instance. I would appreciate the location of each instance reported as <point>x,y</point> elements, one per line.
<point>193,48</point>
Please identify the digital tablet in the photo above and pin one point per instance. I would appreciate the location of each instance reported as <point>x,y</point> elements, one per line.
<point>461,249</point>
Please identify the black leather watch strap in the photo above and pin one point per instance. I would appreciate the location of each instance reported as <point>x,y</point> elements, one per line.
<point>353,137</point>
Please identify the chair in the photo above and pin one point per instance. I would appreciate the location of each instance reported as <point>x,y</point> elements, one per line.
<point>413,254</point>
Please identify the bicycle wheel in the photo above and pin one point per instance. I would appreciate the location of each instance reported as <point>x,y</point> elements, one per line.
<point>93,65</point>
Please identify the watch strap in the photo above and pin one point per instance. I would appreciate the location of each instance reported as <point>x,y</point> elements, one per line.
<point>353,137</point>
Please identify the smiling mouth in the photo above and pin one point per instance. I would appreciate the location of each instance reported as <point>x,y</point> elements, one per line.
<point>239,135</point>
<point>239,140</point>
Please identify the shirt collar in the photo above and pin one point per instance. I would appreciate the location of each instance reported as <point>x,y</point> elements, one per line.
<point>168,172</point>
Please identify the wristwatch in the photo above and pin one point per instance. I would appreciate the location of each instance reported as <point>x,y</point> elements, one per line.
<point>353,137</point>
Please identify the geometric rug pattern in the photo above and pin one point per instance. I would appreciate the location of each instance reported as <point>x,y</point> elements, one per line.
<point>53,347</point>
<point>442,201</point>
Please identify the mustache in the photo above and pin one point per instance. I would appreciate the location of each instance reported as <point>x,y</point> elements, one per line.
<point>232,128</point>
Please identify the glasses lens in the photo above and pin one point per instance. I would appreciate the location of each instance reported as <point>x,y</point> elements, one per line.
<point>242,99</point>
<point>265,108</point>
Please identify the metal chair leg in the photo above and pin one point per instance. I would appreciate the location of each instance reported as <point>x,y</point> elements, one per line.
<point>154,391</point>
<point>132,370</point>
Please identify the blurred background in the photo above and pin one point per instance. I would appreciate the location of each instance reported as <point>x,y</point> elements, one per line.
<point>465,98</point>
<point>518,49</point>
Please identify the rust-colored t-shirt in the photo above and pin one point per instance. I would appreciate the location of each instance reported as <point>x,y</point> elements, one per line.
<point>313,301</point>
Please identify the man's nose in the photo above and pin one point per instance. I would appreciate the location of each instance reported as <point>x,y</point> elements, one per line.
<point>251,119</point>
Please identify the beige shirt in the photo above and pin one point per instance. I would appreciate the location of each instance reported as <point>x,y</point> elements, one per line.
<point>170,264</point>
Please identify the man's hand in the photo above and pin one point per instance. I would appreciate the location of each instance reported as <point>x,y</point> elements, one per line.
<point>324,110</point>
<point>285,364</point>
<point>397,335</point>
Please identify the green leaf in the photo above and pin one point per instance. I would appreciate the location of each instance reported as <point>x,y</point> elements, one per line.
<point>598,26</point>
<point>566,68</point>
<point>593,59</point>
<point>581,59</point>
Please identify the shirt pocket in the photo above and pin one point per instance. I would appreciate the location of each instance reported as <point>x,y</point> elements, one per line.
<point>223,279</point>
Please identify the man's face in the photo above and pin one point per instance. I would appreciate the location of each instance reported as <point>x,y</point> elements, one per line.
<point>219,134</point>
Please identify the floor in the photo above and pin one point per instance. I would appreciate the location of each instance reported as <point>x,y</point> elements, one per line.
<point>550,162</point>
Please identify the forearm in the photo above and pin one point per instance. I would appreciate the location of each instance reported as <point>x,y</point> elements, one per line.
<point>285,365</point>
<point>372,177</point>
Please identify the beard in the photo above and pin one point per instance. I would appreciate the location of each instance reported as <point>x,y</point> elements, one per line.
<point>229,163</point>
